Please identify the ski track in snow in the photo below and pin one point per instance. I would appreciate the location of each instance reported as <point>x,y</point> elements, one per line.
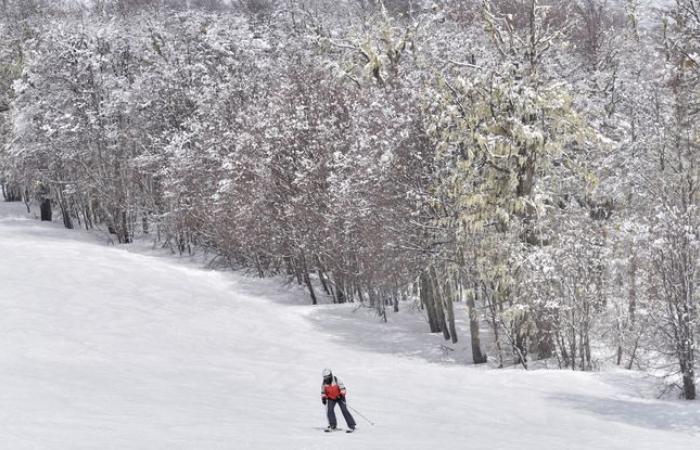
<point>102,348</point>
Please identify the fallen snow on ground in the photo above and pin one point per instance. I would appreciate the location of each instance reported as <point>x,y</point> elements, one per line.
<point>102,348</point>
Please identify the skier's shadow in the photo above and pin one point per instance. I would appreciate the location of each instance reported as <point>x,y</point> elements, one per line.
<point>657,414</point>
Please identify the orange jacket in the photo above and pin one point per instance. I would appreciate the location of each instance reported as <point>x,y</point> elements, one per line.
<point>334,390</point>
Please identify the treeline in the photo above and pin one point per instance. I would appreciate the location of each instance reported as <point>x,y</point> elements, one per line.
<point>537,161</point>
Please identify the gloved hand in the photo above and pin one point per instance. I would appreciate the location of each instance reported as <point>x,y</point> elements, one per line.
<point>323,400</point>
<point>341,398</point>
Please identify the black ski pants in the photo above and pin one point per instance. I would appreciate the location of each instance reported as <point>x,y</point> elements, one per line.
<point>344,409</point>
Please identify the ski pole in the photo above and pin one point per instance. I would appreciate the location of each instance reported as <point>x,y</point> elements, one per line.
<point>360,414</point>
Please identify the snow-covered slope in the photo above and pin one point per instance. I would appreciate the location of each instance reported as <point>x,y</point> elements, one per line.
<point>101,348</point>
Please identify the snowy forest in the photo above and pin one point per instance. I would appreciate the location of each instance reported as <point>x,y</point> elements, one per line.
<point>535,161</point>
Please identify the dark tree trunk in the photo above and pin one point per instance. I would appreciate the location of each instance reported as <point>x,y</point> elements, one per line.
<point>297,272</point>
<point>288,265</point>
<point>427,298</point>
<point>258,266</point>
<point>86,217</point>
<point>11,192</point>
<point>360,295</point>
<point>685,344</point>
<point>27,200</point>
<point>67,221</point>
<point>688,381</point>
<point>371,295</point>
<point>449,309</point>
<point>65,213</point>
<point>477,355</point>
<point>324,284</point>
<point>439,302</point>
<point>125,234</point>
<point>339,289</point>
<point>45,208</point>
<point>307,280</point>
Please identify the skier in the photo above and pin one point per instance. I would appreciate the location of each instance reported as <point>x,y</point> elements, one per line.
<point>332,392</point>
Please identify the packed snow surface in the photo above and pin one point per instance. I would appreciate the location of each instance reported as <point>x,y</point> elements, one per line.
<point>103,348</point>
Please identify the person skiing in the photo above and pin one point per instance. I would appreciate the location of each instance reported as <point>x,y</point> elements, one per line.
<point>332,392</point>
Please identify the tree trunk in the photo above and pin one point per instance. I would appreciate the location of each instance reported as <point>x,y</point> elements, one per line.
<point>324,284</point>
<point>358,291</point>
<point>492,303</point>
<point>449,309</point>
<point>477,356</point>
<point>258,266</point>
<point>339,290</point>
<point>11,192</point>
<point>426,296</point>
<point>45,208</point>
<point>396,300</point>
<point>297,272</point>
<point>288,265</point>
<point>307,280</point>
<point>688,381</point>
<point>686,346</point>
<point>125,233</point>
<point>439,302</point>
<point>65,213</point>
